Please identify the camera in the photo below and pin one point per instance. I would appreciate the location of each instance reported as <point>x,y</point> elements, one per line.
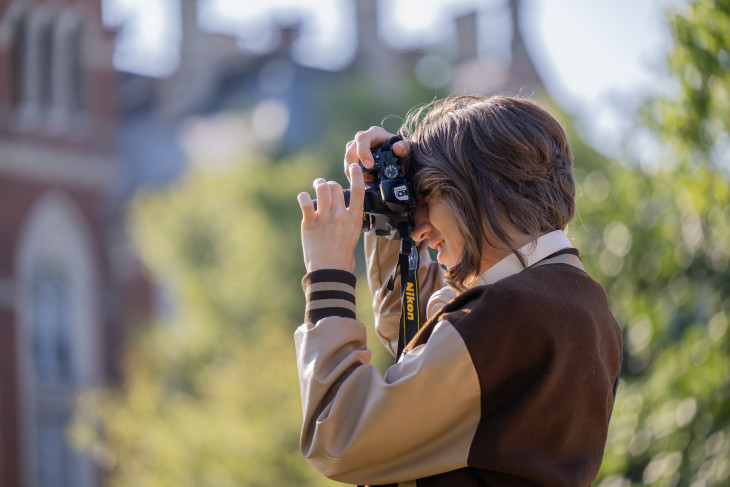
<point>389,199</point>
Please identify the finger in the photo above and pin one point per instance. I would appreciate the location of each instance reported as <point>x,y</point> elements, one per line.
<point>350,157</point>
<point>324,195</point>
<point>350,151</point>
<point>401,148</point>
<point>317,181</point>
<point>357,191</point>
<point>307,206</point>
<point>338,197</point>
<point>365,141</point>
<point>351,148</point>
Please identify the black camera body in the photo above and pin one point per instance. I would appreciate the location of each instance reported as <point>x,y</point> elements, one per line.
<point>389,199</point>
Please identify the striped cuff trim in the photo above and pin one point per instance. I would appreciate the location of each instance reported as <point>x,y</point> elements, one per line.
<point>329,287</point>
<point>329,292</point>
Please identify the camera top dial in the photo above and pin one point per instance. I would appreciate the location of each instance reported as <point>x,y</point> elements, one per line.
<point>390,171</point>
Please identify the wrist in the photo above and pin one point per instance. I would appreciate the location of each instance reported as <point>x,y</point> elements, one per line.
<point>339,266</point>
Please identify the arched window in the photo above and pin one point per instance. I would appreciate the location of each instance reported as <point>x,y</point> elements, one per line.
<point>58,338</point>
<point>51,330</point>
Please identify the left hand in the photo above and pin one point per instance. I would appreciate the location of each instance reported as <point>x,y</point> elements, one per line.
<point>360,147</point>
<point>330,234</point>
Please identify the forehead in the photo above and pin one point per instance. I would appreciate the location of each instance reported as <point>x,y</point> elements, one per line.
<point>431,199</point>
<point>441,214</point>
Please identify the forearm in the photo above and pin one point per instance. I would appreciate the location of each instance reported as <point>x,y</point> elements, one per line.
<point>361,427</point>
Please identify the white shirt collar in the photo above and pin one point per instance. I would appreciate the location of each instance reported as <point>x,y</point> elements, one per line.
<point>534,252</point>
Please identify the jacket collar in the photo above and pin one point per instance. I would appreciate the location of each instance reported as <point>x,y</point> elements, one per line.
<point>534,252</point>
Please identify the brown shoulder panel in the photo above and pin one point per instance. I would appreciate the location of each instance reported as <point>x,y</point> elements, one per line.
<point>547,351</point>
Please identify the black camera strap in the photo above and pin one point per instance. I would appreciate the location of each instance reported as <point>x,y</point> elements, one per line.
<point>410,308</point>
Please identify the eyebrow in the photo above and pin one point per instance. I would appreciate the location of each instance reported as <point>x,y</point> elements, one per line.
<point>422,196</point>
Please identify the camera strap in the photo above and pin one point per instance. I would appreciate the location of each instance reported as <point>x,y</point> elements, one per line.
<point>410,307</point>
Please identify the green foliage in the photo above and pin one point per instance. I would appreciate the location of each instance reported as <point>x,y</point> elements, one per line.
<point>211,394</point>
<point>697,123</point>
<point>656,235</point>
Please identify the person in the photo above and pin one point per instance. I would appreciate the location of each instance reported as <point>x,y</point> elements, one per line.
<point>511,379</point>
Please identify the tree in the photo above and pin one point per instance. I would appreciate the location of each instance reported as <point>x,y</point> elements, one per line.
<point>211,395</point>
<point>660,230</point>
<point>211,398</point>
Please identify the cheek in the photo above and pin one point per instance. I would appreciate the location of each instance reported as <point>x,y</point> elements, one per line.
<point>460,246</point>
<point>457,245</point>
<point>458,249</point>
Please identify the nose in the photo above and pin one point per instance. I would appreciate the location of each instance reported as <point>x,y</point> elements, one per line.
<point>421,224</point>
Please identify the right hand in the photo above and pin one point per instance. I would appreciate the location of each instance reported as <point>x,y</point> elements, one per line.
<point>330,234</point>
<point>358,149</point>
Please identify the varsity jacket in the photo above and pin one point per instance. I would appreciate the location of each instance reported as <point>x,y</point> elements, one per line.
<point>508,383</point>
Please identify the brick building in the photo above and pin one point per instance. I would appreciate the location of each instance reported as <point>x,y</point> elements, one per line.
<point>62,271</point>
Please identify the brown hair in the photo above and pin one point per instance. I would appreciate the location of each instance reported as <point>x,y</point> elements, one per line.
<point>491,161</point>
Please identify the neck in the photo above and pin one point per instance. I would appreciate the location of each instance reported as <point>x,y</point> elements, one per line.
<point>493,254</point>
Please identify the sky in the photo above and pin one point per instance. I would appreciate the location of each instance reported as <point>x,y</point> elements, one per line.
<point>598,59</point>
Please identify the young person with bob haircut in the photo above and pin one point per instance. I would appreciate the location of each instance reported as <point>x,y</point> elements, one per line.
<point>512,377</point>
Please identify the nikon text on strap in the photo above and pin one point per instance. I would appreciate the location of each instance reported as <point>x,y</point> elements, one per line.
<point>410,308</point>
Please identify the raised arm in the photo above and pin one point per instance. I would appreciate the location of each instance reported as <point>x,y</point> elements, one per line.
<point>381,254</point>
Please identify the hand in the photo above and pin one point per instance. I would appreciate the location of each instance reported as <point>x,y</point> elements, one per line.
<point>330,234</point>
<point>358,149</point>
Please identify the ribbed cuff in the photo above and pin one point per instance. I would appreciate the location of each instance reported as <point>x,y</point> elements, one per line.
<point>329,292</point>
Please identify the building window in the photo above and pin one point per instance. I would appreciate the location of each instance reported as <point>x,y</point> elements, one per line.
<point>59,343</point>
<point>43,65</point>
<point>16,19</point>
<point>51,329</point>
<point>46,57</point>
<point>68,86</point>
<point>53,375</point>
<point>76,69</point>
<point>36,64</point>
<point>54,454</point>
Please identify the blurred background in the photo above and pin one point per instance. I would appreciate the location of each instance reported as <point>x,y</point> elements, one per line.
<point>150,265</point>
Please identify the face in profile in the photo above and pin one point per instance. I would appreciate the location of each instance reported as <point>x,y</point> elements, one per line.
<point>435,222</point>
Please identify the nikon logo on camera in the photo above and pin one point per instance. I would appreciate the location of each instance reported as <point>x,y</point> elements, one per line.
<point>401,192</point>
